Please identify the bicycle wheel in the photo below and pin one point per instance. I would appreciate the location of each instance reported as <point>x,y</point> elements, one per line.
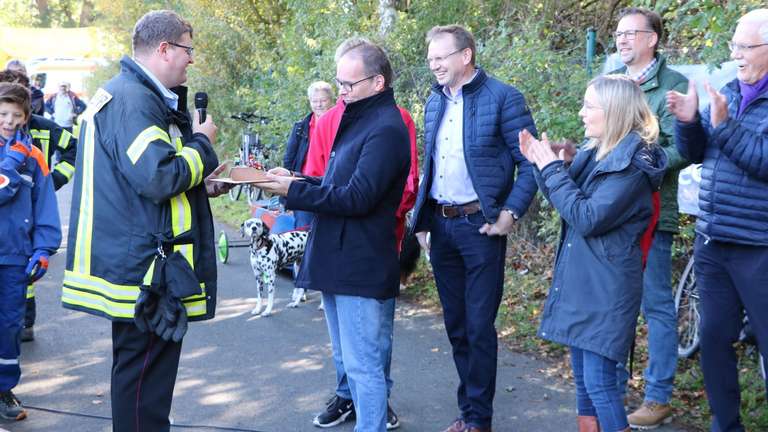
<point>234,193</point>
<point>688,318</point>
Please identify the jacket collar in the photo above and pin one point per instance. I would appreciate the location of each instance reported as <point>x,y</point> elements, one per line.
<point>467,88</point>
<point>128,65</point>
<point>733,87</point>
<point>618,159</point>
<point>652,77</point>
<point>358,108</point>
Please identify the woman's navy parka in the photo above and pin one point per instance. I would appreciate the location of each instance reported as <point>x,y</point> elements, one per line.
<point>596,290</point>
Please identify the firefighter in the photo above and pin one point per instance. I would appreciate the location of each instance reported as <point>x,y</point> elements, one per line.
<point>141,241</point>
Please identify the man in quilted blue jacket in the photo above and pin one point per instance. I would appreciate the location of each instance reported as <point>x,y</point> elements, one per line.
<point>730,139</point>
<point>468,202</point>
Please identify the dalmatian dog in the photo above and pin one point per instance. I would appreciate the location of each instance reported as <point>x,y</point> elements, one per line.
<point>269,252</point>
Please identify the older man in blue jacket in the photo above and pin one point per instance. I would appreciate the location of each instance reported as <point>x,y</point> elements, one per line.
<point>351,253</point>
<point>730,139</point>
<point>468,201</point>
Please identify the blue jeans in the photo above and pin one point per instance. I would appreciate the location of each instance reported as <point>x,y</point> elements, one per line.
<point>596,391</point>
<point>658,309</point>
<point>13,291</point>
<point>469,273</point>
<point>356,331</point>
<point>730,278</point>
<point>387,330</point>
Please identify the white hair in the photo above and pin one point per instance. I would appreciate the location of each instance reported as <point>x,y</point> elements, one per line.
<point>320,86</point>
<point>758,16</point>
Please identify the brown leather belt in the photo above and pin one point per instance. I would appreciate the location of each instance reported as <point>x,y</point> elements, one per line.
<point>452,211</point>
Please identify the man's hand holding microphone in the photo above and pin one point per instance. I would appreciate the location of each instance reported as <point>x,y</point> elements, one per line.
<point>203,123</point>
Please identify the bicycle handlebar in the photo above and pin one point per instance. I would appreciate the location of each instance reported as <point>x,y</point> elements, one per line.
<point>249,117</point>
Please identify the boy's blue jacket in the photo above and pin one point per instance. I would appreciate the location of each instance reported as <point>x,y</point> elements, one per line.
<point>29,215</point>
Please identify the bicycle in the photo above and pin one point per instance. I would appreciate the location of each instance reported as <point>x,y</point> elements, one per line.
<point>252,153</point>
<point>688,319</point>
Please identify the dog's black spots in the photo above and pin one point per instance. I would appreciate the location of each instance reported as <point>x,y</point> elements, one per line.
<point>270,252</point>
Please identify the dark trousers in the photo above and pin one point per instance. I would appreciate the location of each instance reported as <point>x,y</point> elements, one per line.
<point>30,312</point>
<point>730,278</point>
<point>469,272</point>
<point>13,288</point>
<point>144,371</point>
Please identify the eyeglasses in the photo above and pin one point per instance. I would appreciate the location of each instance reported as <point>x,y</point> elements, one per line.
<point>347,86</point>
<point>443,58</point>
<point>734,47</point>
<point>629,34</point>
<point>190,50</point>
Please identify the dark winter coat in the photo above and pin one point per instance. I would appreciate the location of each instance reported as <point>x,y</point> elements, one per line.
<point>298,145</point>
<point>352,248</point>
<point>494,113</point>
<point>597,282</point>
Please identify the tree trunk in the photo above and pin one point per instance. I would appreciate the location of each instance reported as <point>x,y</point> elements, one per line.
<point>86,14</point>
<point>43,12</point>
<point>388,16</point>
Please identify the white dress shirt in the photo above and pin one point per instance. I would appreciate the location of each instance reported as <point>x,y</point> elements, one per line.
<point>451,184</point>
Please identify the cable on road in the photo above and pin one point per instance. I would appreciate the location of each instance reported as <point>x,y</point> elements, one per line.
<point>173,425</point>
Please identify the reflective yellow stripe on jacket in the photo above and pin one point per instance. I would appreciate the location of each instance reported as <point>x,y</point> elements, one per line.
<point>85,291</point>
<point>44,136</point>
<point>66,169</point>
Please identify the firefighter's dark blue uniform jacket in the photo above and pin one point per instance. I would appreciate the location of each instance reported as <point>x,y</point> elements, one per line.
<point>49,137</point>
<point>29,216</point>
<point>138,180</point>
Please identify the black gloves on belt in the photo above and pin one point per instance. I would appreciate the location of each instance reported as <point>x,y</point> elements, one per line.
<point>159,307</point>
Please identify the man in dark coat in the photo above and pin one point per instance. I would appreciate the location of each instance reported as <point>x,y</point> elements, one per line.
<point>730,140</point>
<point>351,253</point>
<point>468,201</point>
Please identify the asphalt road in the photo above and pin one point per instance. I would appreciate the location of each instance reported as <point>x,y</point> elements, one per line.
<point>264,374</point>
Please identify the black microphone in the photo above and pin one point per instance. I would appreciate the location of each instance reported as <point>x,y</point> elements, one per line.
<point>201,104</point>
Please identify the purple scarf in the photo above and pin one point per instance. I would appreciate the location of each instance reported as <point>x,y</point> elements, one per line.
<point>750,92</point>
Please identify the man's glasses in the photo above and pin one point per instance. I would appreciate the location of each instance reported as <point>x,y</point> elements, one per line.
<point>443,58</point>
<point>348,86</point>
<point>629,34</point>
<point>734,47</point>
<point>190,50</point>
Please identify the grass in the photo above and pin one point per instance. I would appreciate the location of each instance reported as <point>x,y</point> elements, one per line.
<point>232,213</point>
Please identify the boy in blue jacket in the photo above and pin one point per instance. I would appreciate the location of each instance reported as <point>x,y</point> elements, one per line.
<point>29,228</point>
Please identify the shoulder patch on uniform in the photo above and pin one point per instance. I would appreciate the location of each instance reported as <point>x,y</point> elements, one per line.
<point>97,102</point>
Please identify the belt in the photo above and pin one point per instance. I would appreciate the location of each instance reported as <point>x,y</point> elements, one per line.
<point>453,211</point>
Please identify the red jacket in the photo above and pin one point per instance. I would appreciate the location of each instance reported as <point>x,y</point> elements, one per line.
<point>321,141</point>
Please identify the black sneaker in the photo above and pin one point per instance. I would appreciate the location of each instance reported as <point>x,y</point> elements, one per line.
<point>28,334</point>
<point>10,406</point>
<point>392,421</point>
<point>336,412</point>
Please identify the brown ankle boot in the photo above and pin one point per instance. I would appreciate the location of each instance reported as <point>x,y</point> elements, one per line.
<point>588,424</point>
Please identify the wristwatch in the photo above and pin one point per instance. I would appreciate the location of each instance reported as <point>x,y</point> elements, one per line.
<point>512,213</point>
